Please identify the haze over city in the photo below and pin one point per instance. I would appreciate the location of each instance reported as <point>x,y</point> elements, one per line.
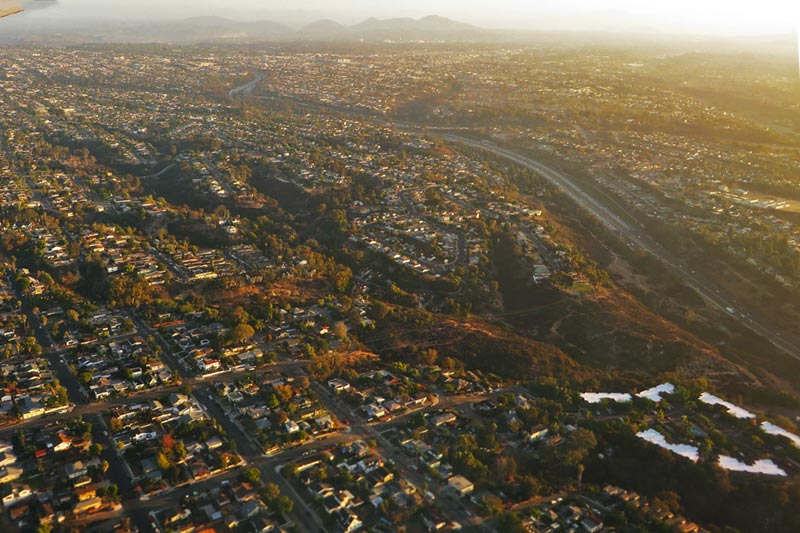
<point>702,16</point>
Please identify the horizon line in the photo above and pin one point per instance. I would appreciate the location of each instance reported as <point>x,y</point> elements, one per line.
<point>627,25</point>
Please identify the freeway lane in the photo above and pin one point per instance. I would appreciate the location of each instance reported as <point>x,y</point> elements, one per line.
<point>248,87</point>
<point>710,291</point>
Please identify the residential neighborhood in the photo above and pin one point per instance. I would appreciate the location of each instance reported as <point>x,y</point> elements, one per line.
<point>306,288</point>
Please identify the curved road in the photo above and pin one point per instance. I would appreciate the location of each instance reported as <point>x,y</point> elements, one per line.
<point>248,87</point>
<point>710,291</point>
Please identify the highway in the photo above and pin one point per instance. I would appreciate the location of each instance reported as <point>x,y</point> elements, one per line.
<point>160,172</point>
<point>712,292</point>
<point>248,87</point>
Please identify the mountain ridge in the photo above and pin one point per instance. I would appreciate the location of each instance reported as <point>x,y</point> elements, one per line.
<point>431,28</point>
<point>215,28</point>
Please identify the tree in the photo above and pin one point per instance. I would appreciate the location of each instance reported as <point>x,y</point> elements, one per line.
<point>222,212</point>
<point>309,350</point>
<point>341,279</point>
<point>167,442</point>
<point>579,443</point>
<point>291,472</point>
<point>491,505</point>
<point>242,333</point>
<point>180,450</point>
<point>379,310</point>
<point>428,356</point>
<point>433,197</point>
<point>240,316</point>
<point>253,475</point>
<point>511,523</point>
<point>129,291</point>
<point>284,393</point>
<point>270,491</point>
<point>282,505</point>
<point>224,460</point>
<point>113,492</point>
<point>504,468</point>
<point>162,461</point>
<point>340,330</point>
<point>528,487</point>
<point>19,441</point>
<point>271,494</point>
<point>449,363</point>
<point>669,499</point>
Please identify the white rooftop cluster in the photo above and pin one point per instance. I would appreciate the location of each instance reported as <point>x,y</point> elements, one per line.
<point>762,466</point>
<point>597,397</point>
<point>684,450</point>
<point>734,410</point>
<point>655,393</point>
<point>738,412</point>
<point>772,429</point>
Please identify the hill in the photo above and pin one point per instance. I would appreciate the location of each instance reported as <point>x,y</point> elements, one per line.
<point>220,29</point>
<point>408,29</point>
<point>324,29</point>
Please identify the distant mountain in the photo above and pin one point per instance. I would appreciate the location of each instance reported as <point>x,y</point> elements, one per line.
<point>431,28</point>
<point>323,29</point>
<point>407,29</point>
<point>373,24</point>
<point>219,29</point>
<point>437,23</point>
<point>59,31</point>
<point>323,25</point>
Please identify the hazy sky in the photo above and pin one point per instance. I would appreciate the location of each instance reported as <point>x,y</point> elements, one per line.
<point>751,16</point>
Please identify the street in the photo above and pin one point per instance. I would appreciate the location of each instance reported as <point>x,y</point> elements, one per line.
<point>304,518</point>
